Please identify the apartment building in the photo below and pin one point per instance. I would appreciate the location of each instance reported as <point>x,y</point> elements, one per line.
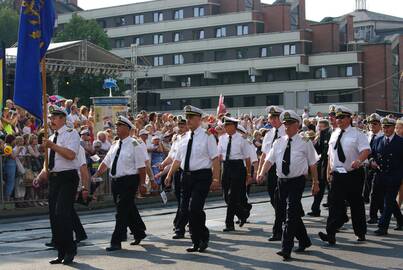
<point>253,53</point>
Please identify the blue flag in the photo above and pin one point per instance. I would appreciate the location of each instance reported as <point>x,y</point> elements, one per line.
<point>37,21</point>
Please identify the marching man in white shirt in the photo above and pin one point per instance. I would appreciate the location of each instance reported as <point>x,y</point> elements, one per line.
<point>197,156</point>
<point>293,156</point>
<point>126,161</point>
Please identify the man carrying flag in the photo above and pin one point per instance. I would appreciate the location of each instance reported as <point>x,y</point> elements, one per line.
<point>37,20</point>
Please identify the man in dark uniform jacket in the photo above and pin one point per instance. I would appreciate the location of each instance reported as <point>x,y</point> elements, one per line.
<point>321,147</point>
<point>387,152</point>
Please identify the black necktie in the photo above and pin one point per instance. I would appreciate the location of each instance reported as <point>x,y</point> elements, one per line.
<point>52,153</point>
<point>287,158</point>
<point>228,148</point>
<point>115,161</point>
<point>275,136</point>
<point>372,139</point>
<point>387,141</point>
<point>339,148</point>
<point>188,152</point>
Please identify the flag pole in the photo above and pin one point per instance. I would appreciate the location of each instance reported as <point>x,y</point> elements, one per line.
<point>45,107</point>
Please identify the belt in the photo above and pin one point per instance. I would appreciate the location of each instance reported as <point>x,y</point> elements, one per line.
<point>293,178</point>
<point>123,177</point>
<point>197,172</point>
<point>56,174</point>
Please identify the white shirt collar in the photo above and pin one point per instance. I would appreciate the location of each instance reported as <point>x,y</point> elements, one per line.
<point>390,138</point>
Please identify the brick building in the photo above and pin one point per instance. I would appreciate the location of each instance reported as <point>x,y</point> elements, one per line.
<point>254,54</point>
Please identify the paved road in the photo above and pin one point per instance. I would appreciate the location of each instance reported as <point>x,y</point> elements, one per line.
<point>21,245</point>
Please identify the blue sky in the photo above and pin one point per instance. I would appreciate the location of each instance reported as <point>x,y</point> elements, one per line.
<point>316,9</point>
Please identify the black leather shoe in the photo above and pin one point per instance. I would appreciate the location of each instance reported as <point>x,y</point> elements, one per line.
<point>325,205</point>
<point>80,239</point>
<point>68,258</point>
<point>372,221</point>
<point>286,256</point>
<point>302,247</point>
<point>113,247</point>
<point>331,239</point>
<point>361,238</point>
<point>274,238</point>
<point>314,214</point>
<point>195,248</point>
<point>137,241</point>
<point>203,246</point>
<point>399,227</point>
<point>242,222</point>
<point>56,261</point>
<point>178,236</point>
<point>380,232</point>
<point>228,229</point>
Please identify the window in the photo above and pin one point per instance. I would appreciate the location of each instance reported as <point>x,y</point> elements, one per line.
<point>201,34</point>
<point>221,32</point>
<point>198,11</point>
<point>242,30</point>
<point>241,53</point>
<point>186,82</point>
<point>178,36</point>
<point>219,56</point>
<point>229,102</point>
<point>286,49</point>
<point>274,99</point>
<point>158,39</point>
<point>158,16</point>
<point>139,19</point>
<point>119,43</point>
<point>120,21</point>
<point>263,52</point>
<point>321,73</point>
<point>198,57</point>
<point>158,61</point>
<point>349,71</point>
<point>178,59</point>
<point>178,14</point>
<point>249,101</point>
<point>139,40</point>
<point>205,103</point>
<point>102,23</point>
<point>270,76</point>
<point>293,49</point>
<point>290,49</point>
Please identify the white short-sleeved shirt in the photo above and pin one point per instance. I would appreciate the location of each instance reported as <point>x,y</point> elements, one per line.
<point>204,150</point>
<point>131,157</point>
<point>252,152</point>
<point>174,147</point>
<point>67,138</point>
<point>239,147</point>
<point>303,154</point>
<point>80,158</point>
<point>268,138</point>
<point>353,142</point>
<point>144,147</point>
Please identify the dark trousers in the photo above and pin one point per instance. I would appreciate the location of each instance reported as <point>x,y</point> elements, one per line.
<point>279,212</point>
<point>177,189</point>
<point>368,184</point>
<point>272,185</point>
<point>377,195</point>
<point>77,226</point>
<point>196,186</point>
<point>323,183</point>
<point>127,214</point>
<point>390,206</point>
<point>290,194</point>
<point>234,190</point>
<point>347,187</point>
<point>62,191</point>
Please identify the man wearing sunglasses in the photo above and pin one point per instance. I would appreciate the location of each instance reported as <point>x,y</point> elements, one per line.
<point>348,149</point>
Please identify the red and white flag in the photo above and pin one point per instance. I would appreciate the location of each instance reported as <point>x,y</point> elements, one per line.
<point>221,106</point>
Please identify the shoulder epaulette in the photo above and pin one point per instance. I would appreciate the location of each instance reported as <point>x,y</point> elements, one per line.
<point>70,130</point>
<point>135,142</point>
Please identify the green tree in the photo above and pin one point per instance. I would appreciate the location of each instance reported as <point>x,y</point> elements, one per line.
<point>79,29</point>
<point>8,3</point>
<point>8,26</point>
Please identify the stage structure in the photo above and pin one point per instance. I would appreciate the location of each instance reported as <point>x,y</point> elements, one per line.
<point>84,57</point>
